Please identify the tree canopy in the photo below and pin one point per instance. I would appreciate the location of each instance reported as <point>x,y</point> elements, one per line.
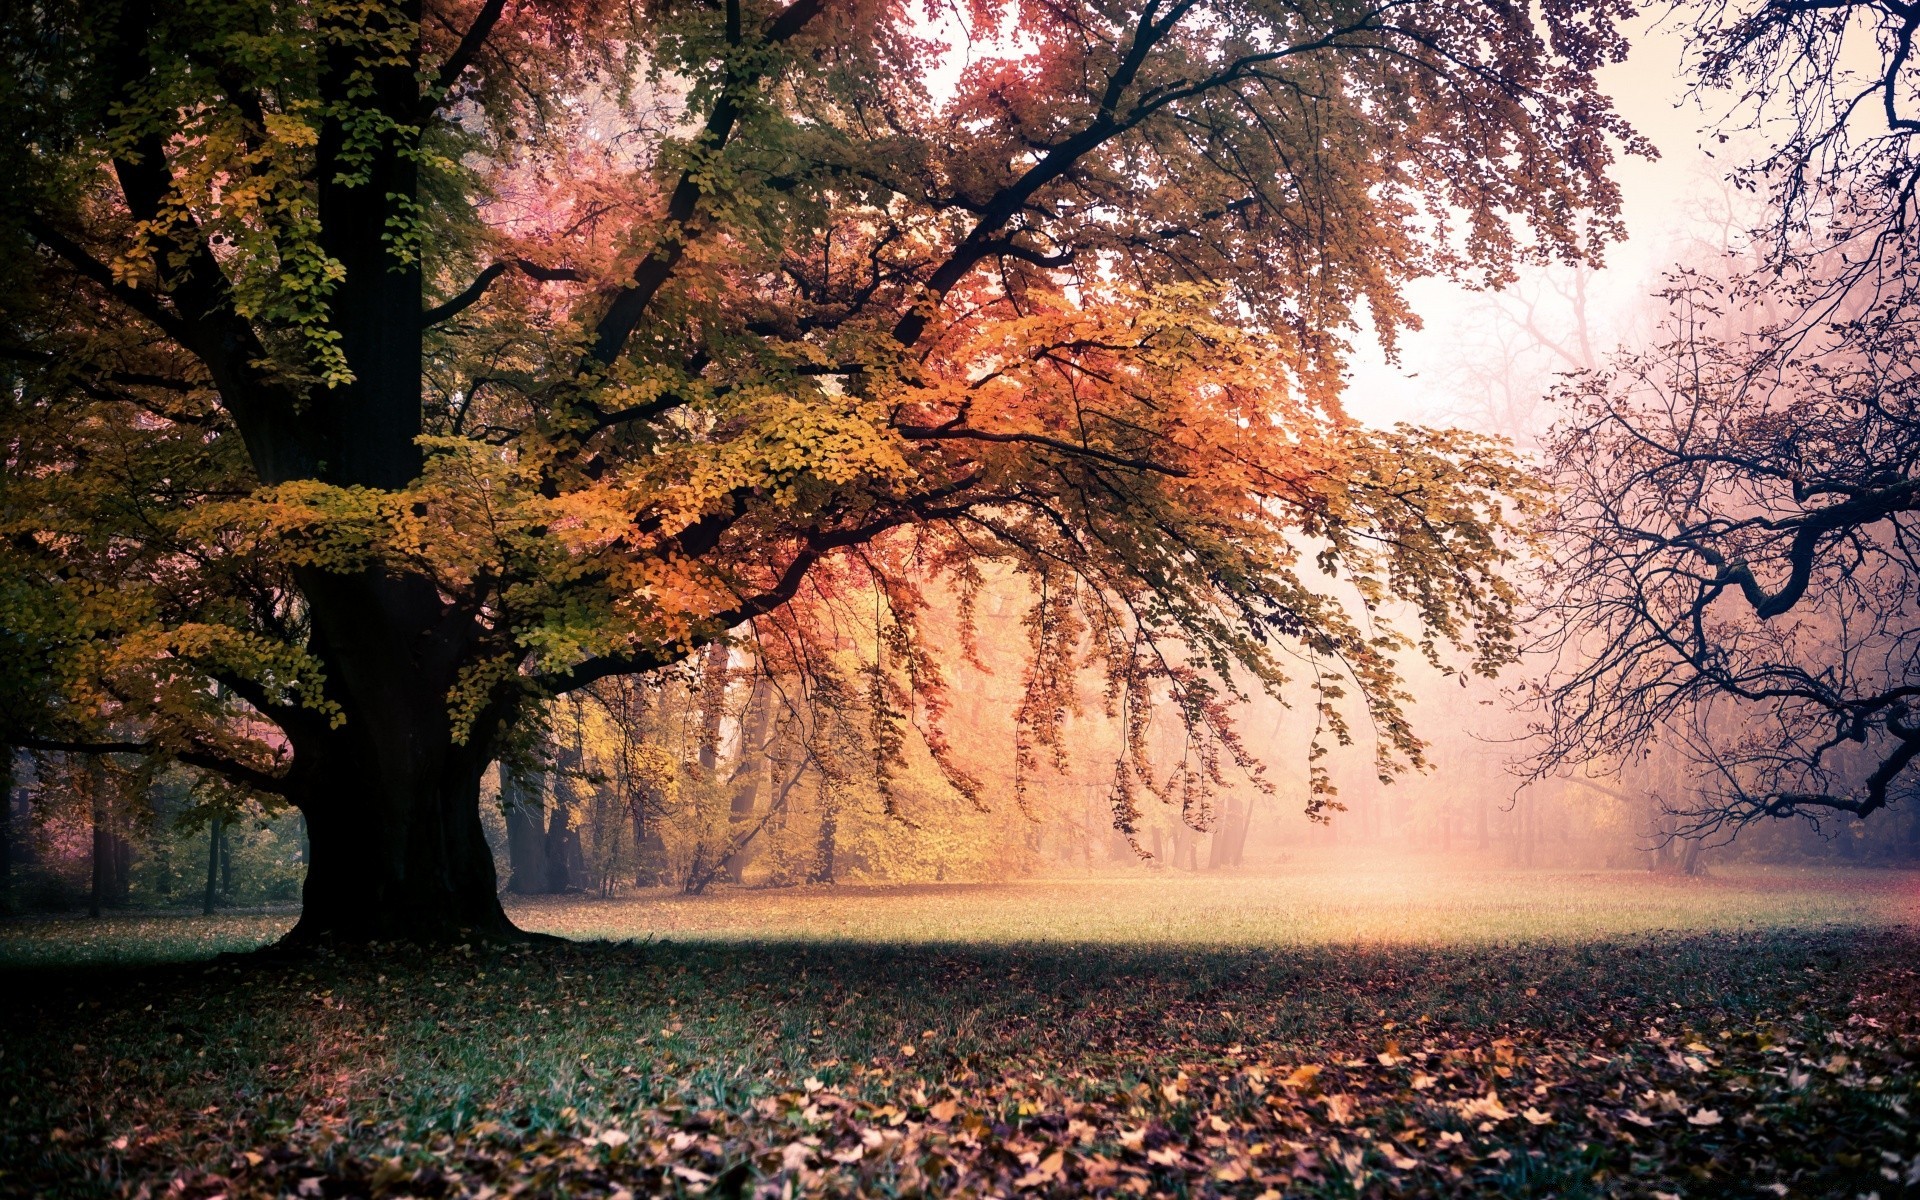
<point>398,366</point>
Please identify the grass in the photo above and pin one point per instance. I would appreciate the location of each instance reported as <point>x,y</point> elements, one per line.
<point>1318,901</point>
<point>1330,1032</point>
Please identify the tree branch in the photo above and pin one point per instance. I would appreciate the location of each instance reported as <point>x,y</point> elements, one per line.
<point>91,268</point>
<point>472,293</point>
<point>205,760</point>
<point>937,433</point>
<point>623,315</point>
<point>462,56</point>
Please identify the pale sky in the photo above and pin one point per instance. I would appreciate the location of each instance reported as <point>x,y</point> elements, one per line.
<point>1667,202</point>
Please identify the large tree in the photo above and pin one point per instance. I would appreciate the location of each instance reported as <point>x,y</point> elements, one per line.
<point>401,365</point>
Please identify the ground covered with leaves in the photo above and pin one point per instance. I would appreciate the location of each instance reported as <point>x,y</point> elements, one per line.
<point>1726,1062</point>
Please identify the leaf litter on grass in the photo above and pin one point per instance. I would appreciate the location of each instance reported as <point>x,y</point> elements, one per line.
<point>1699,1064</point>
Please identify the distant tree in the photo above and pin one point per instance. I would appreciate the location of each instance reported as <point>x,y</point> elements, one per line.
<point>402,365</point>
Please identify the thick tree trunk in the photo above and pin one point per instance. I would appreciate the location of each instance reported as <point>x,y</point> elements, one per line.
<point>393,816</point>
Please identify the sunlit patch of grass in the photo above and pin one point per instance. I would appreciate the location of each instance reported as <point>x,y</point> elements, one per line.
<point>74,940</point>
<point>1317,902</point>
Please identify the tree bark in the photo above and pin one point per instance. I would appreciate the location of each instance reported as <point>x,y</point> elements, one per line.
<point>6,829</point>
<point>825,849</point>
<point>1220,844</point>
<point>1690,861</point>
<point>713,707</point>
<point>561,849</point>
<point>102,850</point>
<point>526,814</point>
<point>215,828</point>
<point>391,797</point>
<point>120,867</point>
<point>746,777</point>
<point>393,815</point>
<point>649,846</point>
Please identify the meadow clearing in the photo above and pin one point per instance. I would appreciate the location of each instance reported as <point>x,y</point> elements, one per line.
<point>1331,1028</point>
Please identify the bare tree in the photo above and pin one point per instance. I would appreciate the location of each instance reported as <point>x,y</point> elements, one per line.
<point>1735,571</point>
<point>1735,575</point>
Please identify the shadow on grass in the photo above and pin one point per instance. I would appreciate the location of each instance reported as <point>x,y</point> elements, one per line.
<point>116,1076</point>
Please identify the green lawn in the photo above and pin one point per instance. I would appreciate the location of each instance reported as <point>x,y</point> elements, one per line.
<point>1387,1031</point>
<point>1317,901</point>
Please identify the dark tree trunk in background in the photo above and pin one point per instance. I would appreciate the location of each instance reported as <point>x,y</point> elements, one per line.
<point>544,855</point>
<point>25,852</point>
<point>825,849</point>
<point>649,847</point>
<point>216,830</point>
<point>1690,859</point>
<point>102,857</point>
<point>112,857</point>
<point>1660,854</point>
<point>1229,848</point>
<point>566,866</point>
<point>120,872</point>
<point>713,709</point>
<point>561,849</point>
<point>526,814</point>
<point>6,829</point>
<point>1220,845</point>
<point>713,702</point>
